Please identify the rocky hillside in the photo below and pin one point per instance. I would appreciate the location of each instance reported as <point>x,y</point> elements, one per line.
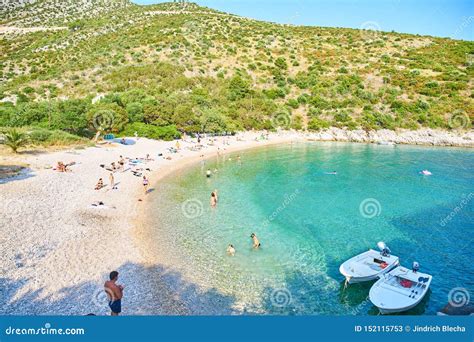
<point>179,63</point>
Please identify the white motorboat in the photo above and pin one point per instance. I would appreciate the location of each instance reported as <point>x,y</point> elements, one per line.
<point>400,289</point>
<point>369,265</point>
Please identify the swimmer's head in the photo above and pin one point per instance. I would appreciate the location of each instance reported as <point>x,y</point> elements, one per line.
<point>252,235</point>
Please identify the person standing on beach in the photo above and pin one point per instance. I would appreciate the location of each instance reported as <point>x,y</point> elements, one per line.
<point>114,293</point>
<point>112,180</point>
<point>145,184</point>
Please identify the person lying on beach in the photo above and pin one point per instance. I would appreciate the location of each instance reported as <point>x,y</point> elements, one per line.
<point>100,184</point>
<point>113,166</point>
<point>230,250</point>
<point>114,293</point>
<point>256,243</point>
<point>213,200</point>
<point>61,167</point>
<point>121,163</point>
<point>145,184</point>
<point>123,141</point>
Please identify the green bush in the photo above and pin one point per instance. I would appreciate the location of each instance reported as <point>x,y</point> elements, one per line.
<point>40,135</point>
<point>315,124</point>
<point>150,131</point>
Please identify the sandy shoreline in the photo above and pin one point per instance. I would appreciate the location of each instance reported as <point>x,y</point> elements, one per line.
<point>58,249</point>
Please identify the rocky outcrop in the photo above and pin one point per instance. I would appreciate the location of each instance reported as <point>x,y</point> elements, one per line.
<point>432,137</point>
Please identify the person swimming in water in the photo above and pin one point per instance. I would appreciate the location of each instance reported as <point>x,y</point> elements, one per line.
<point>208,173</point>
<point>256,242</point>
<point>213,200</point>
<point>230,250</point>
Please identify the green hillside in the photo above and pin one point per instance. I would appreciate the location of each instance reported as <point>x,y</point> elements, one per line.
<point>77,65</point>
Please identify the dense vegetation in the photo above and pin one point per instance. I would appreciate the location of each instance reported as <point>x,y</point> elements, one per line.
<point>165,69</point>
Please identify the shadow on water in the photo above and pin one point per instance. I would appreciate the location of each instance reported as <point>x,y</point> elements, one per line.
<point>156,291</point>
<point>11,173</point>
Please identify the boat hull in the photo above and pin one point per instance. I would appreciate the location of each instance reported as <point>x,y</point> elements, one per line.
<point>391,296</point>
<point>351,278</point>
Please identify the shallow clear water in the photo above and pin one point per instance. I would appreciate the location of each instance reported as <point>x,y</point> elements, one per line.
<point>309,222</point>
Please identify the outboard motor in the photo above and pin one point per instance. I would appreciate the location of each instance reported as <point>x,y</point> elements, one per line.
<point>384,250</point>
<point>416,267</point>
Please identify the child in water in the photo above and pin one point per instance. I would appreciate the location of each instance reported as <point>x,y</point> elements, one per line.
<point>230,250</point>
<point>256,243</point>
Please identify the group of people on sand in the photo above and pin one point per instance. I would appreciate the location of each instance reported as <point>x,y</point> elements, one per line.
<point>120,166</point>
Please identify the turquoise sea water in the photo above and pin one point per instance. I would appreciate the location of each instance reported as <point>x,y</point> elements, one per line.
<point>309,222</point>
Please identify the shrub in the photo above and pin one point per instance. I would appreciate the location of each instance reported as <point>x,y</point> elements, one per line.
<point>151,131</point>
<point>316,124</point>
<point>40,135</point>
